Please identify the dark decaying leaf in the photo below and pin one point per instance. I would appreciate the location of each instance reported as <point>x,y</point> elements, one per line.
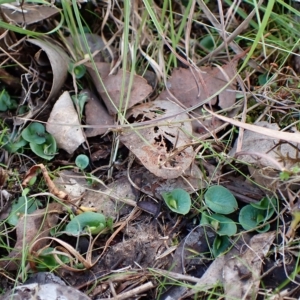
<point>191,181</point>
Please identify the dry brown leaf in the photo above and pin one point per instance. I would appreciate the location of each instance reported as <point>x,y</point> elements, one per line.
<point>163,150</point>
<point>113,85</point>
<point>191,88</point>
<point>32,13</point>
<point>96,114</point>
<point>64,124</point>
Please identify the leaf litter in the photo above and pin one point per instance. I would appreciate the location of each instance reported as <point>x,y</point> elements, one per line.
<point>162,148</point>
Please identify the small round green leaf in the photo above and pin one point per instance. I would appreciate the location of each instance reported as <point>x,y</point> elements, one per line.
<point>220,245</point>
<point>250,217</point>
<point>178,201</point>
<point>34,133</point>
<point>82,161</point>
<point>220,200</point>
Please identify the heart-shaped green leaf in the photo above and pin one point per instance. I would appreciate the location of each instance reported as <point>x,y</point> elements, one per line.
<point>178,201</point>
<point>220,200</point>
<point>47,150</point>
<point>220,245</point>
<point>250,217</point>
<point>221,224</point>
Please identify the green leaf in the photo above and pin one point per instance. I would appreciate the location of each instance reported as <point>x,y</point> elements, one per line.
<point>250,217</point>
<point>46,260</point>
<point>178,201</point>
<point>220,200</point>
<point>34,133</point>
<point>82,161</point>
<point>5,101</point>
<point>47,150</point>
<point>220,245</point>
<point>11,145</point>
<point>79,71</point>
<point>267,204</point>
<point>85,223</point>
<point>19,209</point>
<point>208,42</point>
<point>225,225</point>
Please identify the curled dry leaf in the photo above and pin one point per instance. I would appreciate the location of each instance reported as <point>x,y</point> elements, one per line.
<point>64,124</point>
<point>51,186</point>
<point>59,65</point>
<point>113,86</point>
<point>163,150</point>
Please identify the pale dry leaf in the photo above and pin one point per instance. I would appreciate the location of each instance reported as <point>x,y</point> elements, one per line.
<point>282,135</point>
<point>188,87</point>
<point>64,124</point>
<point>266,155</point>
<point>59,64</point>
<point>163,150</point>
<point>113,86</point>
<point>47,291</point>
<point>274,153</point>
<point>96,114</point>
<point>241,274</point>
